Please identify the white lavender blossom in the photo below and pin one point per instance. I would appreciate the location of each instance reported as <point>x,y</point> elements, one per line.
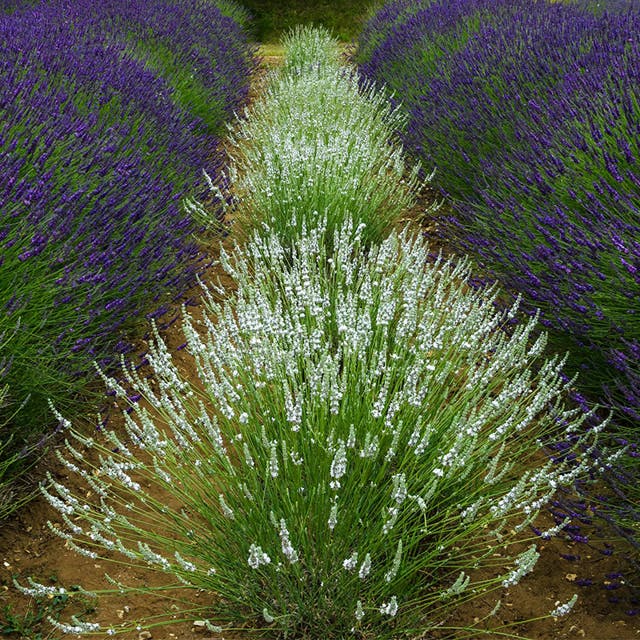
<point>460,585</point>
<point>226,509</point>
<point>390,520</point>
<point>38,590</point>
<point>564,609</point>
<point>390,608</point>
<point>365,567</point>
<point>553,531</point>
<point>395,565</point>
<point>257,557</point>
<point>78,627</point>
<point>184,564</point>
<point>525,563</point>
<point>83,551</point>
<point>339,462</point>
<point>399,493</point>
<point>273,460</point>
<point>151,557</point>
<point>333,515</point>
<point>287,549</point>
<point>351,562</point>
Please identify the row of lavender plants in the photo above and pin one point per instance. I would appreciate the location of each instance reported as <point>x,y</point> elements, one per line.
<point>294,156</point>
<point>530,112</point>
<point>197,47</point>
<point>359,450</point>
<point>9,6</point>
<point>99,142</point>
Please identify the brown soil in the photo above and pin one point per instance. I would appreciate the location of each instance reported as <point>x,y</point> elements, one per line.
<point>604,610</point>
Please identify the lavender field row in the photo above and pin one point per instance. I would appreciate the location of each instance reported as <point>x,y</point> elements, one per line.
<point>109,112</point>
<point>530,112</point>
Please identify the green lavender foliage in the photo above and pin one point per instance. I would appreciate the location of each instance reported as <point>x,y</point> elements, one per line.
<point>12,459</point>
<point>237,11</point>
<point>8,462</point>
<point>361,437</point>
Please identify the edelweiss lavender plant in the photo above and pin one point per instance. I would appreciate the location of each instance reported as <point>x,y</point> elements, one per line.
<point>319,143</point>
<point>307,45</point>
<point>361,438</point>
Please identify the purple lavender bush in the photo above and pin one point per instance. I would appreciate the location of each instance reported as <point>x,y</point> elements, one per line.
<point>200,49</point>
<point>97,150</point>
<point>530,111</point>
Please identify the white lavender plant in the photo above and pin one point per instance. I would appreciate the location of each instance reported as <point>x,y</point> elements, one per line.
<point>362,438</point>
<point>319,143</point>
<point>310,46</point>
